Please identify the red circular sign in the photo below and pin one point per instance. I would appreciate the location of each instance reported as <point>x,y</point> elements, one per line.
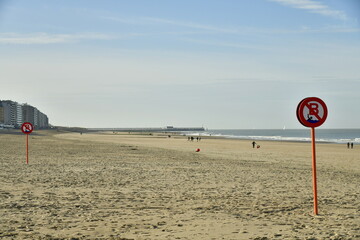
<point>27,128</point>
<point>312,112</point>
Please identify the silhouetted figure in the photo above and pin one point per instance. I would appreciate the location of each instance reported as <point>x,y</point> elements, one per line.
<point>254,143</point>
<point>352,145</point>
<point>348,144</point>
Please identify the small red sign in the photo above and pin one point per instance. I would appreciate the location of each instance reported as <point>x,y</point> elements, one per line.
<point>27,128</point>
<point>312,112</point>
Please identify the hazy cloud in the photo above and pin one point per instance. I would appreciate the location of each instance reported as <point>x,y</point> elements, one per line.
<point>152,20</point>
<point>314,7</point>
<point>239,30</point>
<point>46,38</point>
<point>191,25</point>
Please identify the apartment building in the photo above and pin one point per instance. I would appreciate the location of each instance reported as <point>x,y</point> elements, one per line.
<point>13,114</point>
<point>9,112</point>
<point>2,115</point>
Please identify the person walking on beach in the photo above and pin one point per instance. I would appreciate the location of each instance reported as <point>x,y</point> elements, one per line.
<point>352,145</point>
<point>254,143</point>
<point>348,144</point>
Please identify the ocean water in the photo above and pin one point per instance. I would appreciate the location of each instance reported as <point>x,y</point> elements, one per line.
<point>295,135</point>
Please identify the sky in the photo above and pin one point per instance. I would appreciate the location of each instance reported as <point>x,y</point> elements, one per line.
<point>221,64</point>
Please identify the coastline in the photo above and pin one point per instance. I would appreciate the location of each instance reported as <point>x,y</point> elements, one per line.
<point>224,148</point>
<point>340,136</point>
<point>137,186</point>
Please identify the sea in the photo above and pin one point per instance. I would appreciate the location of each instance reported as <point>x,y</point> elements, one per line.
<point>339,136</point>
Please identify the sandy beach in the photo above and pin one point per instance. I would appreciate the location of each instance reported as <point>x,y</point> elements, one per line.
<point>133,186</point>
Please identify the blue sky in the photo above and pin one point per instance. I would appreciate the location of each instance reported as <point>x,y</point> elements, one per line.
<point>153,63</point>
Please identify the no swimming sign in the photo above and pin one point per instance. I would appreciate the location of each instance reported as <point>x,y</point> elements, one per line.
<point>312,112</point>
<point>27,128</point>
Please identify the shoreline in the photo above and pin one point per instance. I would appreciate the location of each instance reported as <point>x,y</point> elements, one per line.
<point>224,148</point>
<point>181,134</point>
<point>185,134</point>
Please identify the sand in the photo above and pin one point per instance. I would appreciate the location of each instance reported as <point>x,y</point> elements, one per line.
<point>121,186</point>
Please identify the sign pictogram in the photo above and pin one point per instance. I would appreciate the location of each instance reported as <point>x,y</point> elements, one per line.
<point>27,128</point>
<point>312,112</point>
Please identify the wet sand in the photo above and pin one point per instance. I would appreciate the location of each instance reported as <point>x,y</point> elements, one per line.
<point>121,186</point>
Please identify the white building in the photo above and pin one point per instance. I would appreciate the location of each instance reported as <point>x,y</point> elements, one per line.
<point>13,114</point>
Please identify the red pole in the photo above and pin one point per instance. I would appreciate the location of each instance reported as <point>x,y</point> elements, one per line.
<point>27,148</point>
<point>314,170</point>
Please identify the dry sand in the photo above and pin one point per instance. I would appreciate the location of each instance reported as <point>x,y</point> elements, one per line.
<point>121,186</point>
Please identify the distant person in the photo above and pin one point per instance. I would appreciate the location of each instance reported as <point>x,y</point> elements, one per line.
<point>352,145</point>
<point>254,143</point>
<point>348,144</point>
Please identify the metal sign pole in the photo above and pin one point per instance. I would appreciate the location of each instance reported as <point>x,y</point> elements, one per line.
<point>314,170</point>
<point>27,148</point>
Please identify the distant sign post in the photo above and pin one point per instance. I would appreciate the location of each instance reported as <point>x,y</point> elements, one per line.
<point>312,112</point>
<point>27,128</point>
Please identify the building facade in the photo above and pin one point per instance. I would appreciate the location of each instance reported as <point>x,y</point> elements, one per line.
<point>13,115</point>
<point>9,109</point>
<point>2,116</point>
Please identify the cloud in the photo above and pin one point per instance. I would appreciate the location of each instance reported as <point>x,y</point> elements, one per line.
<point>314,7</point>
<point>46,38</point>
<point>239,30</point>
<point>153,20</point>
<point>191,25</point>
<point>228,44</point>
